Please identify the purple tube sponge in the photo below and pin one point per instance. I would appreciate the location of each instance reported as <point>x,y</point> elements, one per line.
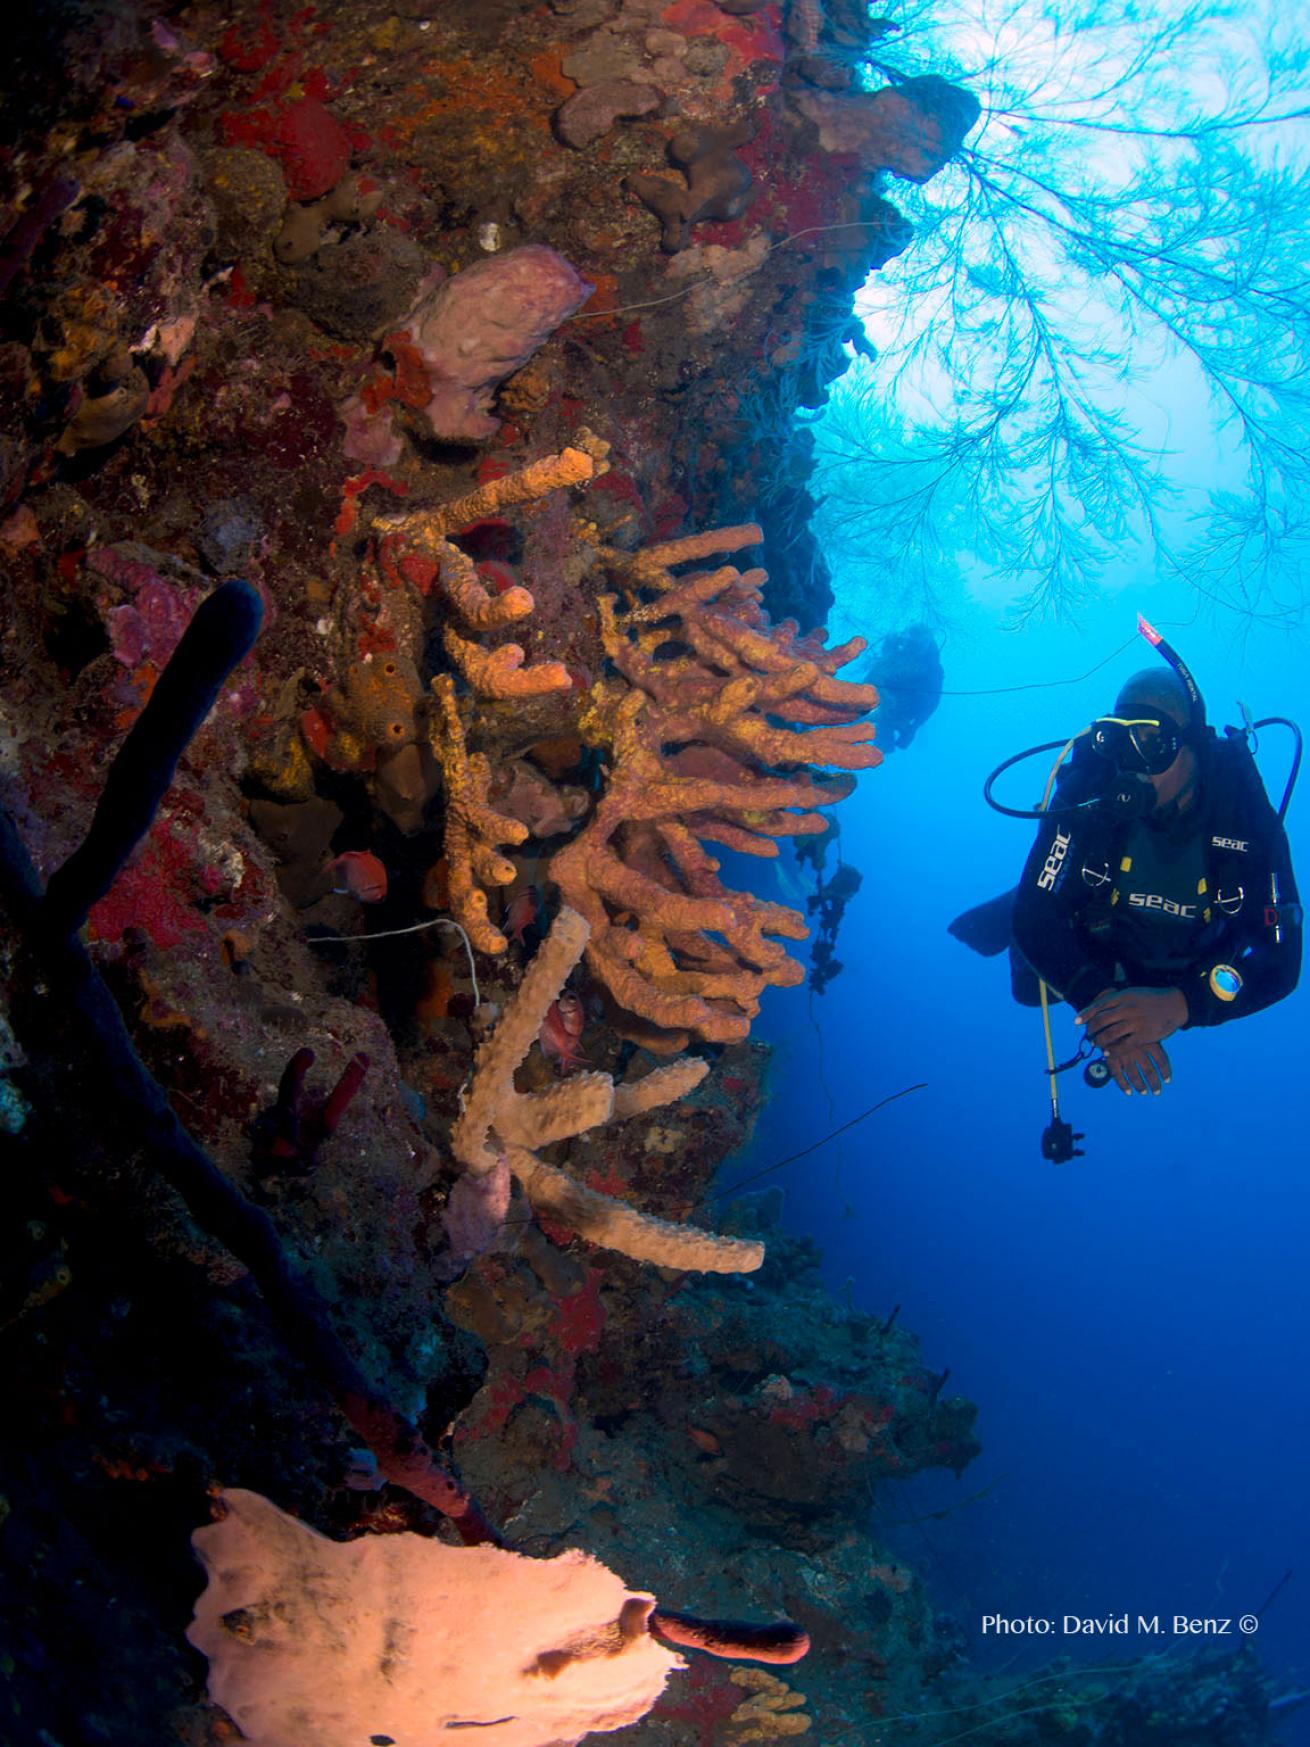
<point>474,1220</point>
<point>221,634</point>
<point>483,324</point>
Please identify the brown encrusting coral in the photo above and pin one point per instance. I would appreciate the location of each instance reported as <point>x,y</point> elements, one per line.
<point>716,729</point>
<point>718,183</point>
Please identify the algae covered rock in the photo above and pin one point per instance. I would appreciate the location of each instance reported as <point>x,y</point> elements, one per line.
<point>358,287</point>
<point>249,195</point>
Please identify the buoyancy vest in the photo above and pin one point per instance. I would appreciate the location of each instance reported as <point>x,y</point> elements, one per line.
<point>1158,899</point>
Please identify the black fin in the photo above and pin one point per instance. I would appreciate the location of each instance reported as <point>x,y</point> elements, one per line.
<point>987,927</point>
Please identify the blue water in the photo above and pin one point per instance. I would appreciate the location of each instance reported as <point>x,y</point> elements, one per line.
<point>1134,1325</point>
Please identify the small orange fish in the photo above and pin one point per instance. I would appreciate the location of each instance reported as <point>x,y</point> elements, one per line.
<point>561,1031</point>
<point>359,874</point>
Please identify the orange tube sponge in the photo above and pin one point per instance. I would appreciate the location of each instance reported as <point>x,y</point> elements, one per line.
<point>721,728</point>
<point>464,590</point>
<point>537,480</point>
<point>652,567</point>
<point>500,673</point>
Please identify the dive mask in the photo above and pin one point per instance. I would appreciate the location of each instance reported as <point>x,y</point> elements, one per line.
<point>1147,746</point>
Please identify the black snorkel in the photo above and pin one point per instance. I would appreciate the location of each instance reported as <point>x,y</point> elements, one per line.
<point>1195,702</point>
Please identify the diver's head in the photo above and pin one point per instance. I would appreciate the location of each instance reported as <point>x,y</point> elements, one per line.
<point>1152,733</point>
<point>1155,690</point>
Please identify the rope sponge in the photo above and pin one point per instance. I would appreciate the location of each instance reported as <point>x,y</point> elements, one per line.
<point>474,829</point>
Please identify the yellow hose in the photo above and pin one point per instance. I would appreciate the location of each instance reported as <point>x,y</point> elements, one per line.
<point>1043,992</point>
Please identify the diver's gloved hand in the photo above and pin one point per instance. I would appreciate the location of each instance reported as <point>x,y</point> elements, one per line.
<point>1139,1068</point>
<point>1122,1019</point>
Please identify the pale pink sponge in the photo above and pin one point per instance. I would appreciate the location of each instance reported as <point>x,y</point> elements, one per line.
<point>402,1638</point>
<point>482,324</point>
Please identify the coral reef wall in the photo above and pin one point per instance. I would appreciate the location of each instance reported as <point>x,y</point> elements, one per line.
<point>469,335</point>
<point>225,246</point>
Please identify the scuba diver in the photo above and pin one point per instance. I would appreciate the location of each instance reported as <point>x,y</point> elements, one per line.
<point>907,671</point>
<point>1159,894</point>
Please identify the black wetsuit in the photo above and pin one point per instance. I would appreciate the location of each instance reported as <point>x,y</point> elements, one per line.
<point>1154,903</point>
